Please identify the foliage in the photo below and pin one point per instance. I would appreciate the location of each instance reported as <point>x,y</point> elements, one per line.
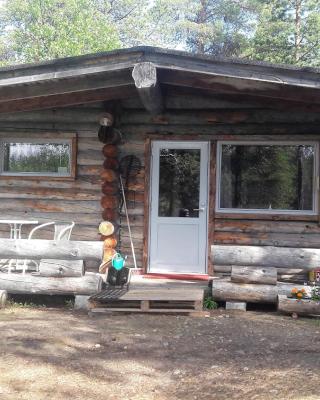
<point>288,32</point>
<point>315,293</point>
<point>34,30</point>
<point>210,304</point>
<point>298,293</point>
<point>282,31</point>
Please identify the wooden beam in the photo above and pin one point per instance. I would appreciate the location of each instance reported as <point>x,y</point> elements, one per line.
<point>113,79</point>
<point>146,82</point>
<point>69,99</point>
<point>227,84</point>
<point>37,249</point>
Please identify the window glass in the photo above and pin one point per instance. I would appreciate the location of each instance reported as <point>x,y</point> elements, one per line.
<point>37,158</point>
<point>179,183</point>
<point>267,177</point>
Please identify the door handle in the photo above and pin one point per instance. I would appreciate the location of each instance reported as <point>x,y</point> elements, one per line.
<point>199,209</point>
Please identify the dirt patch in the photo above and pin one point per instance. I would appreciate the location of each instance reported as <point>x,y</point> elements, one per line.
<point>58,355</point>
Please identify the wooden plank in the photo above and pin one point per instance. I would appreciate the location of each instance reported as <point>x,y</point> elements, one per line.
<point>212,202</point>
<point>146,207</point>
<point>38,249</point>
<point>168,294</point>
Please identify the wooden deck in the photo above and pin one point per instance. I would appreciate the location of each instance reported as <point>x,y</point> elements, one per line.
<point>156,296</point>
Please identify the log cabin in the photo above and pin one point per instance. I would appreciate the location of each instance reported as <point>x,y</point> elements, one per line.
<point>213,152</point>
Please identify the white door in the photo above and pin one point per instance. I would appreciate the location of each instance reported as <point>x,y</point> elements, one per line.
<point>178,207</point>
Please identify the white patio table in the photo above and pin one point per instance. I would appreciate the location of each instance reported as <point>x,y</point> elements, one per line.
<point>15,232</point>
<point>16,225</point>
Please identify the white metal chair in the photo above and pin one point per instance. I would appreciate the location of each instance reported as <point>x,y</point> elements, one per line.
<point>62,231</point>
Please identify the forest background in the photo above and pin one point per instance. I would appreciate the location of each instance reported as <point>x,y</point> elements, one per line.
<point>280,31</point>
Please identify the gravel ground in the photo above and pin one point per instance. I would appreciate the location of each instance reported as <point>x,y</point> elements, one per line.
<point>58,354</point>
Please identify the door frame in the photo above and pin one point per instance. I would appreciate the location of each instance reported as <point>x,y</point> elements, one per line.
<point>211,171</point>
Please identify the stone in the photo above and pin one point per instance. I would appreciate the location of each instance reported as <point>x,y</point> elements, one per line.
<point>81,303</point>
<point>233,305</point>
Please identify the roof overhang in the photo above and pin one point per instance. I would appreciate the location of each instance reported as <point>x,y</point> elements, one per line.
<point>110,76</point>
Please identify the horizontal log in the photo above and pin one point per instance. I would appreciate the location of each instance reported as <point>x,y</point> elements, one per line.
<point>61,268</point>
<point>242,274</point>
<point>109,188</point>
<point>292,271</point>
<point>221,130</point>
<point>57,249</point>
<point>300,307</point>
<point>88,284</point>
<point>90,157</point>
<point>251,226</point>
<point>268,239</point>
<point>49,193</point>
<point>265,256</point>
<point>54,206</point>
<point>109,201</point>
<point>225,290</point>
<point>234,116</point>
<point>87,219</point>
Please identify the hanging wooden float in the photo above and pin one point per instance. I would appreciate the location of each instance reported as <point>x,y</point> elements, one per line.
<point>106,228</point>
<point>108,175</point>
<point>108,254</point>
<point>110,242</point>
<point>109,201</point>
<point>109,188</point>
<point>111,163</point>
<point>110,214</point>
<point>110,150</point>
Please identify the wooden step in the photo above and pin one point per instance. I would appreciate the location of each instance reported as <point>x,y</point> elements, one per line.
<point>154,300</point>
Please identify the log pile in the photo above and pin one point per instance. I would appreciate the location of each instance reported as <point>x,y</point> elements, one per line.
<point>61,267</point>
<point>292,264</point>
<point>300,307</point>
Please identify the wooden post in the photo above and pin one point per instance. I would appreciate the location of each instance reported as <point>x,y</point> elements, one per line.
<point>145,79</point>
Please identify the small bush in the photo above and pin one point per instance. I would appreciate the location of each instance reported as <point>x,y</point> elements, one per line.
<point>210,304</point>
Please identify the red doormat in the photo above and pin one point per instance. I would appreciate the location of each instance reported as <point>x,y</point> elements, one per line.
<point>182,277</point>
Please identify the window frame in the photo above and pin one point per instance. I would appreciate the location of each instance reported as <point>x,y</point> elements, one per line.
<point>315,187</point>
<point>36,175</point>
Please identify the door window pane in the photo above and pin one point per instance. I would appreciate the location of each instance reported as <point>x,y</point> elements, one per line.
<point>37,158</point>
<point>267,177</point>
<point>179,183</point>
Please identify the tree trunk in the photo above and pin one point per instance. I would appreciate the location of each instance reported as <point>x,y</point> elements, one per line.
<point>30,284</point>
<point>301,307</point>
<point>61,268</point>
<point>297,35</point>
<point>266,276</point>
<point>3,298</point>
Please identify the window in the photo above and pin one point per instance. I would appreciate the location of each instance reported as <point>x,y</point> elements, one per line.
<point>37,157</point>
<point>267,177</point>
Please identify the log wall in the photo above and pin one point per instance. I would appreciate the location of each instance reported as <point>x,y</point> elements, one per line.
<point>44,199</point>
<point>219,118</point>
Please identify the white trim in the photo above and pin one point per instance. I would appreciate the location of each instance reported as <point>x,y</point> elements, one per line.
<point>177,144</point>
<point>33,140</point>
<point>315,188</point>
